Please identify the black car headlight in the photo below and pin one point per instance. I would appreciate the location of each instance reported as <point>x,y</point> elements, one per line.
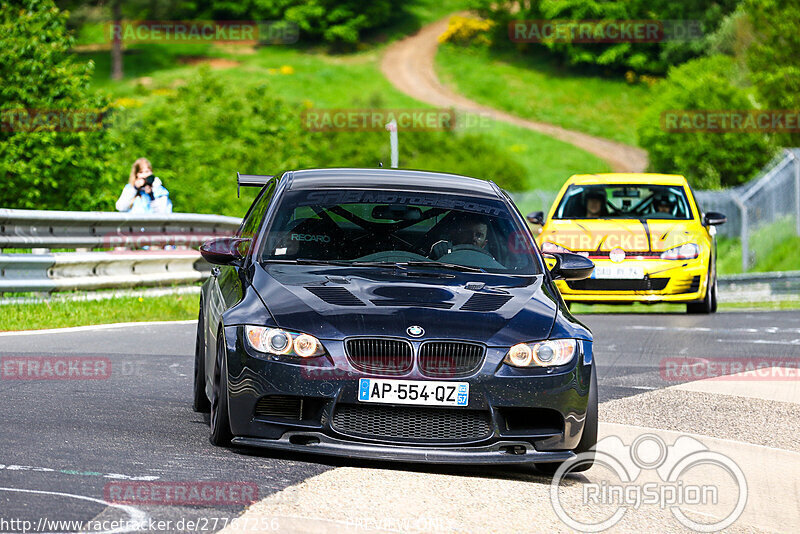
<point>542,354</point>
<point>282,342</point>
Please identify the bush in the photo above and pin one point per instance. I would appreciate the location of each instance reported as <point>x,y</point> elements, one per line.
<point>708,160</point>
<point>198,138</point>
<point>621,56</point>
<point>47,165</point>
<point>467,31</point>
<point>773,57</point>
<point>334,21</point>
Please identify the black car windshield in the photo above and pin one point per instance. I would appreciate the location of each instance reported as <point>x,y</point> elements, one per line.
<point>620,201</point>
<point>420,230</point>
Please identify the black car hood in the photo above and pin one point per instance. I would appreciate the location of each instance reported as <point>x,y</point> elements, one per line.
<point>338,302</point>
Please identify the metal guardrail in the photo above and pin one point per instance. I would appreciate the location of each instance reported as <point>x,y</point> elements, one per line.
<point>87,229</point>
<point>67,271</point>
<point>182,264</point>
<point>760,286</point>
<point>169,257</point>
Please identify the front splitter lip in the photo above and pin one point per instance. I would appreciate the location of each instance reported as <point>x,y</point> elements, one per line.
<point>485,455</point>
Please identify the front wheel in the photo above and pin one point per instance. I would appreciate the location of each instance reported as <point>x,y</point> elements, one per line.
<point>709,302</point>
<point>586,446</point>
<point>200,402</point>
<point>219,419</point>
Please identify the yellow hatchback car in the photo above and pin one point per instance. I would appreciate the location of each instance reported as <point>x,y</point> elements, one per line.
<point>645,234</point>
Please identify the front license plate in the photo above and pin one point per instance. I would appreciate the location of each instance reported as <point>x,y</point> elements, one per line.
<point>413,392</point>
<point>618,271</point>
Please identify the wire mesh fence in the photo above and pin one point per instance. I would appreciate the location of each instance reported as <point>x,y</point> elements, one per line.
<point>761,213</point>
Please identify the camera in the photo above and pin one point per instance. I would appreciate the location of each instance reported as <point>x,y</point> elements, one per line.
<point>147,181</point>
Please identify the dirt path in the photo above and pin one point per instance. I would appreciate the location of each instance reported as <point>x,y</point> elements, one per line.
<point>409,65</point>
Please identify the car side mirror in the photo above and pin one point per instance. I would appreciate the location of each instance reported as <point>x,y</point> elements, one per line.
<point>570,266</point>
<point>224,250</point>
<point>537,217</point>
<point>713,218</point>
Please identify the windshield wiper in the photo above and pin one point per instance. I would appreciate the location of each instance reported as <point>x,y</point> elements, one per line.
<point>395,264</point>
<point>453,266</point>
<point>339,263</point>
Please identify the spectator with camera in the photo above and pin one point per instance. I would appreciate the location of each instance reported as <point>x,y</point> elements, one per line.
<point>144,192</point>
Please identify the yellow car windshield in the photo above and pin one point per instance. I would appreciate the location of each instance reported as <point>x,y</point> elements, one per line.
<point>620,201</point>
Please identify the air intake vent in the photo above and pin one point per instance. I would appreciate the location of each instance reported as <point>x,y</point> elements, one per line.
<point>485,302</point>
<point>338,296</point>
<point>411,423</point>
<point>380,356</point>
<point>610,284</point>
<point>281,406</point>
<point>694,287</point>
<point>412,304</point>
<point>449,359</point>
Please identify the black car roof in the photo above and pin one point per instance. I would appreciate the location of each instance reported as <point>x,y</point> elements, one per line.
<point>391,179</point>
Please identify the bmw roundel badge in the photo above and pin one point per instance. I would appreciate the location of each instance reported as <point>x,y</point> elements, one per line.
<point>415,331</point>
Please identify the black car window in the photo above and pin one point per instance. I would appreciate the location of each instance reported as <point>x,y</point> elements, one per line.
<point>398,227</point>
<point>259,207</point>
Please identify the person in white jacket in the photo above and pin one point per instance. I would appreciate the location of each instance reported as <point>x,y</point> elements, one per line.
<point>144,192</point>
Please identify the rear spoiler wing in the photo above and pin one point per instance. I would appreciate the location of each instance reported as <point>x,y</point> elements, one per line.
<point>251,180</point>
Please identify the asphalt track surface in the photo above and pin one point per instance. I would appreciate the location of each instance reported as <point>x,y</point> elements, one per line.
<point>63,441</point>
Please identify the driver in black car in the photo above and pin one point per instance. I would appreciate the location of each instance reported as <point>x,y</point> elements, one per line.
<point>472,231</point>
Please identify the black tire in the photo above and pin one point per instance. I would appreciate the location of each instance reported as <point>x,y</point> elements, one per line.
<point>714,296</point>
<point>219,419</point>
<point>588,438</point>
<point>709,302</point>
<point>201,403</point>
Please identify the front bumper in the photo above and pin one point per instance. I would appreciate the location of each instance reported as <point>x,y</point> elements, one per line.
<point>664,281</point>
<point>530,416</point>
<point>501,452</point>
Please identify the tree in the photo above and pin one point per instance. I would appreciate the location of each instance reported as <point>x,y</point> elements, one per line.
<point>774,57</point>
<point>708,159</point>
<point>52,149</point>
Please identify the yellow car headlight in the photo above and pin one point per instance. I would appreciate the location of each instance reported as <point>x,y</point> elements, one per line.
<point>688,251</point>
<point>547,246</point>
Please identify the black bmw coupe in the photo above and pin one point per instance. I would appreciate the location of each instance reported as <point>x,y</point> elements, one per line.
<point>396,315</point>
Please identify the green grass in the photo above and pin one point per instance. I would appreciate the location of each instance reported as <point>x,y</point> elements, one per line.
<point>323,80</point>
<point>534,87</point>
<point>773,247</point>
<point>59,313</point>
